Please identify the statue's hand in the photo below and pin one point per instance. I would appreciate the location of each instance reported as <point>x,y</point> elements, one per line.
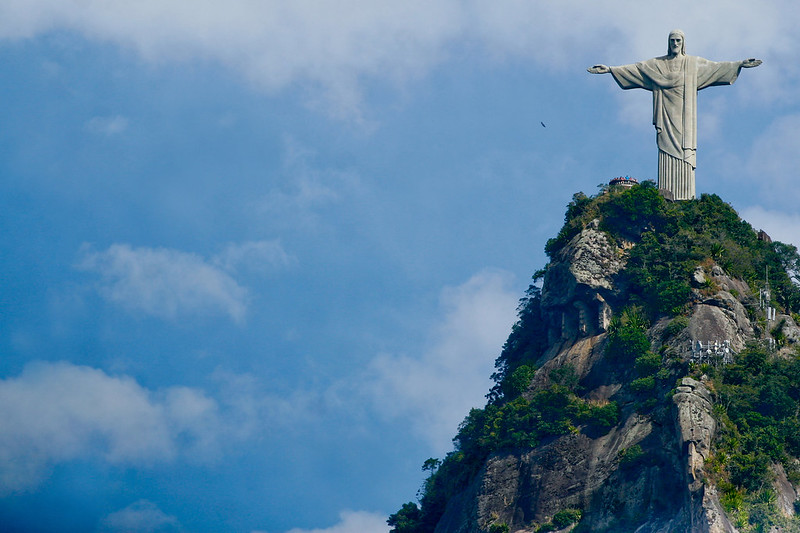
<point>599,69</point>
<point>750,63</point>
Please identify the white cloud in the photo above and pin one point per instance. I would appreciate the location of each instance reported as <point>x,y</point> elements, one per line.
<point>57,412</point>
<point>107,125</point>
<point>353,522</point>
<point>163,282</point>
<point>307,189</point>
<point>273,43</point>
<point>142,516</point>
<point>250,408</point>
<point>333,48</point>
<point>256,256</point>
<point>436,388</point>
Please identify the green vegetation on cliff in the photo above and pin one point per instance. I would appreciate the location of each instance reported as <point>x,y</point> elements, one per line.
<point>672,238</point>
<point>757,409</point>
<point>669,241</point>
<point>666,242</point>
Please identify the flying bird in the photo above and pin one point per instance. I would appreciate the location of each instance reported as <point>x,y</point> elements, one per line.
<point>542,123</point>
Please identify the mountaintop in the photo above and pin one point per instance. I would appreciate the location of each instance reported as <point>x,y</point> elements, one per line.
<point>650,384</point>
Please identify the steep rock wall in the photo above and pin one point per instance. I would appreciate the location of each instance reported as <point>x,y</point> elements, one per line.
<point>665,490</point>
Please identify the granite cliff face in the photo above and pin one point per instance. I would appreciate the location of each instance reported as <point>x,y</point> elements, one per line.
<point>577,471</point>
<point>655,467</point>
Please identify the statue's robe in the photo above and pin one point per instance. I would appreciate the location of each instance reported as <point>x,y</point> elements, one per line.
<point>674,83</point>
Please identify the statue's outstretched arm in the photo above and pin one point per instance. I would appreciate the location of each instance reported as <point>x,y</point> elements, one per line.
<point>599,69</point>
<point>750,63</point>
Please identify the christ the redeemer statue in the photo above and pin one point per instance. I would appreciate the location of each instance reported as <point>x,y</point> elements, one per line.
<point>674,80</point>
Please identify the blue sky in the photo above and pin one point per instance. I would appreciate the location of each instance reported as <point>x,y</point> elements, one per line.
<point>258,258</point>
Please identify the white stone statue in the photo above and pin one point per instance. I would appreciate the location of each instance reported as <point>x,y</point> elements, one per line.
<point>674,80</point>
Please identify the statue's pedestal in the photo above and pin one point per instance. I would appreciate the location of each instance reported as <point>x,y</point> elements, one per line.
<point>676,176</point>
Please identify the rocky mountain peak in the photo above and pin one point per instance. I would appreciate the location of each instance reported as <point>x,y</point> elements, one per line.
<point>643,387</point>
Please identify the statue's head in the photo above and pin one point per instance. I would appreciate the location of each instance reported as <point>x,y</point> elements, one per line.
<point>676,43</point>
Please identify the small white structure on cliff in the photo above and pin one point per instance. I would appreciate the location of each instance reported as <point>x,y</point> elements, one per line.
<point>624,182</point>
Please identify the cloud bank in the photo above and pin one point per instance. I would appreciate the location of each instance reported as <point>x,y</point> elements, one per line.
<point>168,283</point>
<point>437,388</point>
<point>142,516</point>
<point>164,283</point>
<point>253,256</point>
<point>353,522</point>
<point>57,412</point>
<point>334,48</point>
